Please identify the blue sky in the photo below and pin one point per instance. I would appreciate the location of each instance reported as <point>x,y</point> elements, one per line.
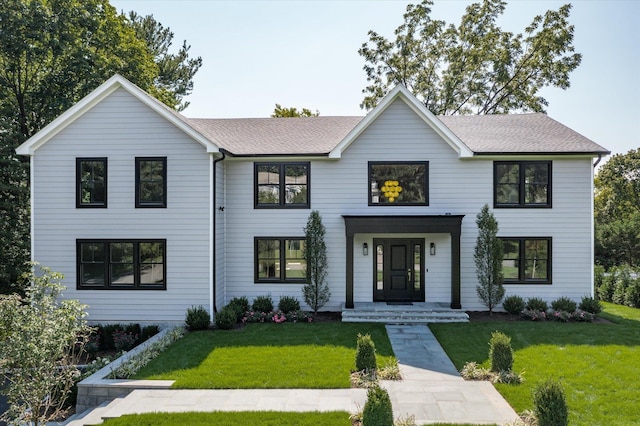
<point>304,54</point>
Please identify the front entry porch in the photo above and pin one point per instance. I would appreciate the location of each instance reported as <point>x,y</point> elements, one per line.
<point>410,313</point>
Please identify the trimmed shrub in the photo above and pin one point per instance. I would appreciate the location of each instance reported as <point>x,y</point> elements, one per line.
<point>377,410</point>
<point>500,352</point>
<point>513,304</point>
<point>632,294</point>
<point>262,304</point>
<point>591,305</point>
<point>621,278</point>
<point>288,304</point>
<point>365,354</point>
<point>564,304</point>
<point>598,279</point>
<point>604,291</point>
<point>537,304</point>
<point>550,406</point>
<point>240,305</point>
<point>148,332</point>
<point>197,318</point>
<point>107,335</point>
<point>226,318</point>
<point>124,340</point>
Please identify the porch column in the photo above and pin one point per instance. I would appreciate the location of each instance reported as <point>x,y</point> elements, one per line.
<point>349,298</point>
<point>455,270</point>
<point>349,301</point>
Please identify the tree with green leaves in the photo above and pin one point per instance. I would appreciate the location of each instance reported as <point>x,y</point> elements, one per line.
<point>474,67</point>
<point>488,258</point>
<point>283,112</point>
<point>617,210</point>
<point>316,291</point>
<point>41,340</point>
<point>175,70</point>
<point>53,53</point>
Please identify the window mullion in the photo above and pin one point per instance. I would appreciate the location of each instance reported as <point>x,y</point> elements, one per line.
<point>523,260</point>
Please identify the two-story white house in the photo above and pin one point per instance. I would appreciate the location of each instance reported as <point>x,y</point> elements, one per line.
<point>148,212</point>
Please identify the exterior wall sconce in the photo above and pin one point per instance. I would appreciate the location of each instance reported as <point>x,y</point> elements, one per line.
<point>365,249</point>
<point>432,249</point>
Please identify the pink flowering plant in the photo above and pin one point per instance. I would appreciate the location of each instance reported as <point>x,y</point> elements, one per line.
<point>534,315</point>
<point>582,316</point>
<point>562,316</point>
<point>277,317</point>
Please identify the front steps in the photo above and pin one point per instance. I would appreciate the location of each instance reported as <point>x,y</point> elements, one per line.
<point>415,313</point>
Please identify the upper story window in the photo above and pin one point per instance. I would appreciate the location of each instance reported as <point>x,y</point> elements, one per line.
<point>121,264</point>
<point>399,183</point>
<point>526,260</point>
<point>91,182</point>
<point>151,181</point>
<point>522,183</point>
<point>281,185</point>
<point>280,260</point>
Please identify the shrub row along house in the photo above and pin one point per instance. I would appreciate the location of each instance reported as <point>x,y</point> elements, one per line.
<point>148,212</point>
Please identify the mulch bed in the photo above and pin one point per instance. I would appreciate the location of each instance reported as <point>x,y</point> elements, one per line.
<point>484,316</point>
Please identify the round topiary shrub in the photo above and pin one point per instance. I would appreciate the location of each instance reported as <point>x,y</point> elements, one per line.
<point>226,318</point>
<point>377,410</point>
<point>365,354</point>
<point>262,304</point>
<point>240,305</point>
<point>537,304</point>
<point>197,318</point>
<point>550,406</point>
<point>500,352</point>
<point>564,304</point>
<point>591,305</point>
<point>513,304</point>
<point>288,304</point>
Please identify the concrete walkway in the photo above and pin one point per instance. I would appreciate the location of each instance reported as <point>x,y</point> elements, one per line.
<point>431,390</point>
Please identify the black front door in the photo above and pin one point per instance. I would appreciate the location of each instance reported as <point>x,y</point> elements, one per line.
<point>398,266</point>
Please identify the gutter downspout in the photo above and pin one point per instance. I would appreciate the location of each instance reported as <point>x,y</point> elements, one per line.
<point>213,225</point>
<point>597,161</point>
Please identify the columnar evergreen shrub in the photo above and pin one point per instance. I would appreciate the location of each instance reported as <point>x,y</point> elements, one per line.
<point>262,304</point>
<point>197,318</point>
<point>288,304</point>
<point>537,304</point>
<point>226,318</point>
<point>365,354</point>
<point>316,291</point>
<point>513,304</point>
<point>598,279</point>
<point>564,304</point>
<point>550,406</point>
<point>488,259</point>
<point>621,280</point>
<point>591,305</point>
<point>377,410</point>
<point>500,352</point>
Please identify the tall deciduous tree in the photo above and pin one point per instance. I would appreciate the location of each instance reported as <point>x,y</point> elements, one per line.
<point>316,291</point>
<point>53,53</point>
<point>283,112</point>
<point>474,67</point>
<point>617,210</point>
<point>175,70</point>
<point>488,258</point>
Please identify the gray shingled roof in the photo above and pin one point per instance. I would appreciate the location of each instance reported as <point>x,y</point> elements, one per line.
<point>293,136</point>
<point>483,134</point>
<point>518,133</point>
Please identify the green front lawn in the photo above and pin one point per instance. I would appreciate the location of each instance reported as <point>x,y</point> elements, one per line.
<point>596,363</point>
<point>255,418</point>
<point>267,356</point>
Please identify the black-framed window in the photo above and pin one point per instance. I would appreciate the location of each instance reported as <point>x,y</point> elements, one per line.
<point>151,182</point>
<point>280,260</point>
<point>282,185</point>
<point>121,264</point>
<point>403,183</point>
<point>91,182</point>
<point>526,260</point>
<point>522,184</point>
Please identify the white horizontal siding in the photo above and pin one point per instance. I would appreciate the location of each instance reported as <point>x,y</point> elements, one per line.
<point>459,187</point>
<point>122,128</point>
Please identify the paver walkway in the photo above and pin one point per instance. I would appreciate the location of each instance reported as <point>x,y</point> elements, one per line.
<point>431,390</point>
